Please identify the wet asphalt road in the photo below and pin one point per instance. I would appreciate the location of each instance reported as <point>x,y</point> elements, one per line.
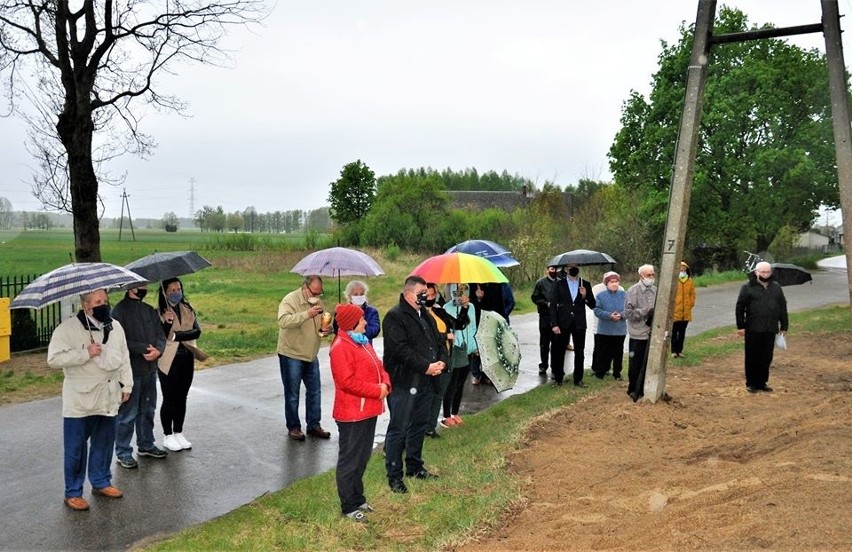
<point>241,451</point>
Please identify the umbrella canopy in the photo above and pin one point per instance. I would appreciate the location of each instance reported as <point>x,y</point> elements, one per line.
<point>71,280</point>
<point>459,268</point>
<point>490,250</point>
<point>499,350</point>
<point>581,257</point>
<point>338,261</point>
<point>157,267</point>
<point>790,274</point>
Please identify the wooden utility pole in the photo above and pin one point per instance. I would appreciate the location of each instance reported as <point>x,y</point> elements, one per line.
<point>840,116</point>
<point>125,201</point>
<point>679,197</point>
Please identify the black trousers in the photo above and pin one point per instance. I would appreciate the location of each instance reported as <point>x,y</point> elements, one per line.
<point>454,392</point>
<point>356,446</point>
<point>609,353</point>
<point>759,348</point>
<point>175,387</point>
<point>678,335</point>
<point>574,334</point>
<point>546,341</point>
<point>638,351</point>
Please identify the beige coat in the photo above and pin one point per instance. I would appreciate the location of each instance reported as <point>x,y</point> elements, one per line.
<point>92,386</point>
<point>298,335</point>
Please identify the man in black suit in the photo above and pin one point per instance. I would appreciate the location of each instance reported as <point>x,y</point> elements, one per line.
<point>568,305</point>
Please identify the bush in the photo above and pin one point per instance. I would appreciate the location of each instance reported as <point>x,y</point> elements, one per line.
<point>392,252</point>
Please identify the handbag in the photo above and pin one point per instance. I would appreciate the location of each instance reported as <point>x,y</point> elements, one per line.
<point>780,341</point>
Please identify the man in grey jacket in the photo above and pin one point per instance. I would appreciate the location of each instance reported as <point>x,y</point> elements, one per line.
<point>639,311</point>
<point>146,342</point>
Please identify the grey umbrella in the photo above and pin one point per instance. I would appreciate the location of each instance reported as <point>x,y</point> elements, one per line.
<point>581,257</point>
<point>157,267</point>
<point>71,280</point>
<point>338,261</point>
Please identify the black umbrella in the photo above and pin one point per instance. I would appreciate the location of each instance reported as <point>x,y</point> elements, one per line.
<point>157,267</point>
<point>581,257</point>
<point>790,274</point>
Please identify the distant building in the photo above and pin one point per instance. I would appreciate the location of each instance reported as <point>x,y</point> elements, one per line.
<point>505,201</point>
<point>813,240</point>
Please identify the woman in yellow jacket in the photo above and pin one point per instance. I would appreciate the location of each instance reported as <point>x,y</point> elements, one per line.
<point>684,302</point>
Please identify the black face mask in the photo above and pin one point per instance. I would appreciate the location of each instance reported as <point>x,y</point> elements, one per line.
<point>764,278</point>
<point>101,314</point>
<point>421,298</point>
<point>573,271</point>
<point>141,293</point>
<point>430,303</point>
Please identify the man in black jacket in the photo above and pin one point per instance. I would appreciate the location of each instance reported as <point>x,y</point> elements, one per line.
<point>146,342</point>
<point>414,353</point>
<point>761,313</point>
<point>541,298</point>
<point>568,305</point>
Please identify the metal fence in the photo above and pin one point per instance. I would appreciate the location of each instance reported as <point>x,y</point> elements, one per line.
<point>31,329</point>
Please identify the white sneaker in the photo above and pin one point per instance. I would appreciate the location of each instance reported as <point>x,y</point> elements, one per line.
<point>184,444</point>
<point>171,443</point>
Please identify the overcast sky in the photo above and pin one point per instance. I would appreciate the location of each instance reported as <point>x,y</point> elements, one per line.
<point>533,87</point>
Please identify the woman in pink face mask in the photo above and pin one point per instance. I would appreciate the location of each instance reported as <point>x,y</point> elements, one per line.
<point>612,327</point>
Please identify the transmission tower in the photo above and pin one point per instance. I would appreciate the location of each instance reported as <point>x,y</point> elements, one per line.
<point>191,198</point>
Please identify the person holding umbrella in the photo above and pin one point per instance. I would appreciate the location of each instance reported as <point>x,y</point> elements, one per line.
<point>360,387</point>
<point>177,364</point>
<point>568,305</point>
<point>91,350</point>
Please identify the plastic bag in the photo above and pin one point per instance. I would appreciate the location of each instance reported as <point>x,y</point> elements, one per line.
<point>780,341</point>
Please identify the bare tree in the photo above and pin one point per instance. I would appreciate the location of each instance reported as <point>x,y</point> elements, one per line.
<point>83,64</point>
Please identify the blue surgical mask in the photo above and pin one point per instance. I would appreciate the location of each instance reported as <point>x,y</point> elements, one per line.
<point>358,338</point>
<point>175,297</point>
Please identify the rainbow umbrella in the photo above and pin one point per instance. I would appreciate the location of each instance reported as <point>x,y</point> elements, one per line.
<point>459,268</point>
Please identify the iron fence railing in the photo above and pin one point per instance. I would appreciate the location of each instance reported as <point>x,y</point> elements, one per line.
<point>31,329</point>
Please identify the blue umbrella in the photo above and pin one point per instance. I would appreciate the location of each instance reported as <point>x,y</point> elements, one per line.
<point>71,280</point>
<point>490,250</point>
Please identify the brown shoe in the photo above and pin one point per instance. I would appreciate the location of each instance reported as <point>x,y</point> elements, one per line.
<point>109,492</point>
<point>297,435</point>
<point>319,432</point>
<point>77,503</point>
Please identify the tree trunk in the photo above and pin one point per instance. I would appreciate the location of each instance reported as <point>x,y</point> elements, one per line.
<point>75,130</point>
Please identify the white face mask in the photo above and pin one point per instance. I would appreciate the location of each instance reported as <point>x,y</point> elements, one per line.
<point>313,300</point>
<point>648,281</point>
<point>358,299</point>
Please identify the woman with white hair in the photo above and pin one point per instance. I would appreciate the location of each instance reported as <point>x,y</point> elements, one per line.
<point>356,294</point>
<point>612,327</point>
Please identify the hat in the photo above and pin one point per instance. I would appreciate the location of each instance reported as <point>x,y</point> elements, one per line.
<point>611,276</point>
<point>683,264</point>
<point>348,316</point>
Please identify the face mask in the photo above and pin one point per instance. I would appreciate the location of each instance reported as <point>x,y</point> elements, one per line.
<point>358,338</point>
<point>648,281</point>
<point>551,274</point>
<point>573,271</point>
<point>764,278</point>
<point>141,293</point>
<point>358,299</point>
<point>612,285</point>
<point>175,297</point>
<point>313,300</point>
<point>101,314</point>
<point>430,303</point>
<point>421,298</point>
<point>682,275</point>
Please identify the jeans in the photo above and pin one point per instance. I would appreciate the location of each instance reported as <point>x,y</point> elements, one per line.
<point>293,373</point>
<point>137,413</point>
<point>409,420</point>
<point>87,442</point>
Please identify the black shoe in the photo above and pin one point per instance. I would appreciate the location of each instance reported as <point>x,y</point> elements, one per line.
<point>579,384</point>
<point>433,434</point>
<point>542,371</point>
<point>397,486</point>
<point>751,389</point>
<point>599,376</point>
<point>766,388</point>
<point>556,383</point>
<point>634,395</point>
<point>422,474</point>
<point>153,452</point>
<point>617,378</point>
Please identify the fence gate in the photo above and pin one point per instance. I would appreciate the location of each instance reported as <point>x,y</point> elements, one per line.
<point>31,329</point>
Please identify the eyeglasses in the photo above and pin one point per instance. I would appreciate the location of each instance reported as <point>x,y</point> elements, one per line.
<point>315,293</point>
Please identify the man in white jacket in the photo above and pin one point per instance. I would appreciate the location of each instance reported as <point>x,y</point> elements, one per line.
<point>92,351</point>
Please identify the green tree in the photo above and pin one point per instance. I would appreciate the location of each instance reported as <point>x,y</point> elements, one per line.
<point>765,157</point>
<point>6,214</point>
<point>235,221</point>
<point>170,222</point>
<point>352,194</point>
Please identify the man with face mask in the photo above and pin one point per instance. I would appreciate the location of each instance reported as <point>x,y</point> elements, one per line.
<point>146,343</point>
<point>415,352</point>
<point>761,313</point>
<point>568,303</point>
<point>639,311</point>
<point>541,298</point>
<point>91,350</point>
<point>300,332</point>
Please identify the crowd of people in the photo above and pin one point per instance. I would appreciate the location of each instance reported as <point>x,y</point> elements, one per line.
<point>112,360</point>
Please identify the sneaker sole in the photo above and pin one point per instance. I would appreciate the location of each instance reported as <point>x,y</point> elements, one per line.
<point>128,466</point>
<point>151,454</point>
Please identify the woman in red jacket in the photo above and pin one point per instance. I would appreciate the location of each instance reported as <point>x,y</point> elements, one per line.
<point>360,387</point>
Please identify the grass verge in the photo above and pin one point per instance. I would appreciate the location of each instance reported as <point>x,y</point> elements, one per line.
<point>477,488</point>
